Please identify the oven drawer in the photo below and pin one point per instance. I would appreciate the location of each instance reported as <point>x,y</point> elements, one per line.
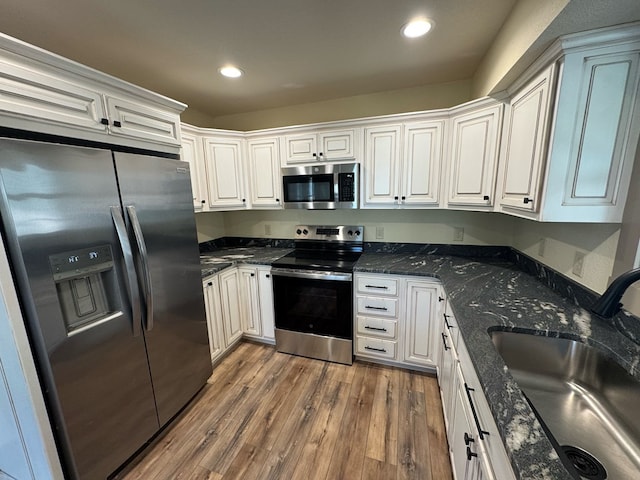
<point>375,347</point>
<point>386,307</point>
<point>377,285</point>
<point>379,327</point>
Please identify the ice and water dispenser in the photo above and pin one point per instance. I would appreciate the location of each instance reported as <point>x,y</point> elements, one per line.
<point>85,286</point>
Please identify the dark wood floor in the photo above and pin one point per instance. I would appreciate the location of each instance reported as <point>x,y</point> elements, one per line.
<point>268,415</point>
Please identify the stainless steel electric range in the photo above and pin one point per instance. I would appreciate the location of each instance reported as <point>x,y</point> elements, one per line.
<point>313,292</point>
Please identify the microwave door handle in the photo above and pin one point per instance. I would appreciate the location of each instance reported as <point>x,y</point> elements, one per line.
<point>131,278</point>
<point>144,261</point>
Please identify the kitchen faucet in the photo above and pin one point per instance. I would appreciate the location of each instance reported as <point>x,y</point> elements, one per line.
<point>609,303</point>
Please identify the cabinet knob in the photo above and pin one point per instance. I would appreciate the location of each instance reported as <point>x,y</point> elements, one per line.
<point>203,201</point>
<point>528,200</point>
<point>395,198</point>
<point>210,284</point>
<point>268,276</point>
<point>315,155</point>
<point>117,123</point>
<point>320,154</point>
<point>403,198</point>
<point>486,197</point>
<point>470,454</point>
<point>253,274</point>
<point>244,200</point>
<point>104,121</point>
<point>277,200</point>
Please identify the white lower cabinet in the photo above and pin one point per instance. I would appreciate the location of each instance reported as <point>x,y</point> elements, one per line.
<point>256,302</point>
<point>222,316</point>
<point>394,319</point>
<point>475,445</point>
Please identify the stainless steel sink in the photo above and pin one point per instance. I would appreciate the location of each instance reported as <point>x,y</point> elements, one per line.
<point>589,403</point>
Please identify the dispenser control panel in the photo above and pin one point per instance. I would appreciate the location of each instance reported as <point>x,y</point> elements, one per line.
<point>81,262</point>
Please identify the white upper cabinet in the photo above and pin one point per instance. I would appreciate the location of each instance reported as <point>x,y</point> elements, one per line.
<point>264,172</point>
<point>402,164</point>
<point>474,142</point>
<point>573,162</point>
<point>323,146</point>
<point>381,165</point>
<point>192,153</point>
<point>45,93</point>
<point>224,170</point>
<point>524,142</point>
<point>422,160</point>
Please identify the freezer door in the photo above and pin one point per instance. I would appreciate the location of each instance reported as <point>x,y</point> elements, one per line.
<point>156,194</point>
<point>56,204</point>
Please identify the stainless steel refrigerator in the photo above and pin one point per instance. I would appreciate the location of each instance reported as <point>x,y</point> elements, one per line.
<point>104,254</point>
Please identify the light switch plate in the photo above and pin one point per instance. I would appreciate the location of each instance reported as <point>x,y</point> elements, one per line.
<point>458,234</point>
<point>578,263</point>
<point>379,233</point>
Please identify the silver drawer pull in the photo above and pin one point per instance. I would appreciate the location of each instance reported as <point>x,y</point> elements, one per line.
<point>376,308</point>
<point>375,328</point>
<point>381,350</point>
<point>377,286</point>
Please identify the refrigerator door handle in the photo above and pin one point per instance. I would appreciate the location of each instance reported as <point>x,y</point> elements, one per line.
<point>132,281</point>
<point>144,261</point>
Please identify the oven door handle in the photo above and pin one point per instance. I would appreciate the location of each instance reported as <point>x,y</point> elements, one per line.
<point>311,274</point>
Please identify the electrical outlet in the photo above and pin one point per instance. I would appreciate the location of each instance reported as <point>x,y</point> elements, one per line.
<point>578,263</point>
<point>267,229</point>
<point>541,246</point>
<point>458,234</point>
<point>379,233</point>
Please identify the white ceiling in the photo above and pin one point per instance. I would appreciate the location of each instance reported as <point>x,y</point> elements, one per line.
<point>292,51</point>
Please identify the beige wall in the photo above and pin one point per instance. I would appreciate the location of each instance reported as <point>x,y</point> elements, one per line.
<point>598,242</point>
<point>526,23</point>
<point>426,97</point>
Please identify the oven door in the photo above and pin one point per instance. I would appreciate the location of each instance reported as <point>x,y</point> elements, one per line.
<point>313,302</point>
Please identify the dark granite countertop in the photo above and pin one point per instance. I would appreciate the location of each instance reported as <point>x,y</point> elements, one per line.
<point>216,261</point>
<point>493,293</point>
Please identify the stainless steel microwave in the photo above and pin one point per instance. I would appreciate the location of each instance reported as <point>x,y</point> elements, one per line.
<point>326,187</point>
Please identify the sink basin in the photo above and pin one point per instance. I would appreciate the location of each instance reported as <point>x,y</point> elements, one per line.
<point>587,402</point>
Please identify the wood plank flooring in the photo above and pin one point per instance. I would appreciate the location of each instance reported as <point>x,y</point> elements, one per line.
<point>268,415</point>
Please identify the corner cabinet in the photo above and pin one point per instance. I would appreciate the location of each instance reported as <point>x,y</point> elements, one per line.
<point>572,131</point>
<point>474,147</point>
<point>395,319</point>
<point>192,152</point>
<point>223,158</point>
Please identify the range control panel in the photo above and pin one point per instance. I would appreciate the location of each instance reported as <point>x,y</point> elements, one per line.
<point>335,233</point>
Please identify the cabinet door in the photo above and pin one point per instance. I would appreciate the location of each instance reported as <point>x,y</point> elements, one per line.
<point>462,435</point>
<point>421,166</point>
<point>421,331</point>
<point>214,316</point>
<point>301,148</point>
<point>264,171</point>
<point>130,119</point>
<point>230,301</point>
<point>336,145</point>
<point>382,157</point>
<point>265,290</point>
<point>249,301</point>
<point>474,150</point>
<point>192,153</point>
<point>223,161</point>
<point>525,142</point>
<point>34,98</point>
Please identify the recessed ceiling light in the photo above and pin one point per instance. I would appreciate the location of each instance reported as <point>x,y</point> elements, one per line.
<point>417,28</point>
<point>231,71</point>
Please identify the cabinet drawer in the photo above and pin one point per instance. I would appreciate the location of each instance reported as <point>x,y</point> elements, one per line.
<point>380,327</point>
<point>376,347</point>
<point>386,307</point>
<point>377,285</point>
